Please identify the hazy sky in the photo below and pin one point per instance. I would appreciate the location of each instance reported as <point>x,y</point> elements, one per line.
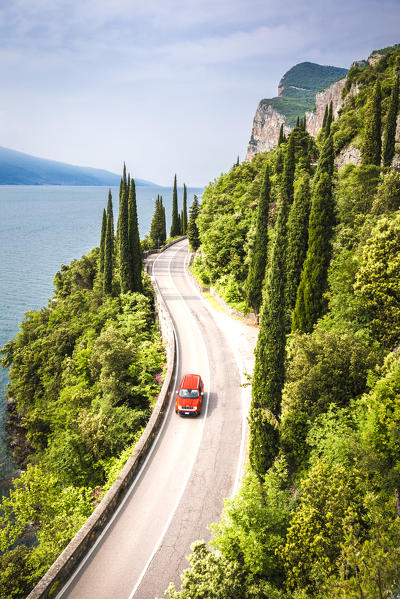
<point>166,85</point>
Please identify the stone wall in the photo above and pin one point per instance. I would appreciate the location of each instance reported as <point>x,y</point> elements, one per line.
<point>67,562</point>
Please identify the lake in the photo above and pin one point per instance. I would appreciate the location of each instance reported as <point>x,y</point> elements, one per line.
<point>42,228</point>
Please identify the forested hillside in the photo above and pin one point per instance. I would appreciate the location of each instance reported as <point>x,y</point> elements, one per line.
<point>317,253</point>
<point>85,372</point>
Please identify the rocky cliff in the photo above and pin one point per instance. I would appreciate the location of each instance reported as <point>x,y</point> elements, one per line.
<point>296,95</point>
<point>332,94</point>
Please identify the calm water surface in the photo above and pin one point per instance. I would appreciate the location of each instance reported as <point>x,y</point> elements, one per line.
<point>41,228</point>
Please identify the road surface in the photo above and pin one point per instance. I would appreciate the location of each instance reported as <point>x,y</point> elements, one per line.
<point>193,466</point>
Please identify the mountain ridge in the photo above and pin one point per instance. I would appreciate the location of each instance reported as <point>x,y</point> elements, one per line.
<point>19,168</point>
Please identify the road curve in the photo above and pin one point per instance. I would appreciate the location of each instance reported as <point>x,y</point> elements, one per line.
<point>192,467</point>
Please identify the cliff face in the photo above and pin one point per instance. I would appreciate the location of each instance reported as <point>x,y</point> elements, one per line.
<point>296,95</point>
<point>265,132</point>
<point>332,94</point>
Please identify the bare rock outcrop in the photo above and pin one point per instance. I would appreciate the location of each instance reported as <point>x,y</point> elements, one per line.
<point>349,155</point>
<point>333,94</point>
<point>265,133</point>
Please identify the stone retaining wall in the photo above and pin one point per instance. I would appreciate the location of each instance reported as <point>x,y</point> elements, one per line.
<point>66,563</point>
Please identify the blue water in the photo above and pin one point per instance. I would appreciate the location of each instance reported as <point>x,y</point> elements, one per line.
<point>41,228</point>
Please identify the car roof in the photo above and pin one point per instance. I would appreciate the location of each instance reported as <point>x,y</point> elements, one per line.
<point>190,381</point>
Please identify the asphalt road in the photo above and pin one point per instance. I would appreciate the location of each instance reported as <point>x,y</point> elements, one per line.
<point>192,468</point>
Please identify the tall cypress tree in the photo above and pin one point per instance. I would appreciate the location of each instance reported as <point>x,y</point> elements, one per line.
<point>310,301</point>
<point>102,242</point>
<point>372,143</point>
<point>184,211</point>
<point>156,229</point>
<point>111,214</point>
<point>329,119</point>
<point>269,370</point>
<point>297,238</point>
<point>109,250</point>
<point>125,266</point>
<point>164,222</point>
<point>192,229</point>
<point>135,249</point>
<point>175,230</point>
<point>390,128</point>
<point>288,170</point>
<point>326,161</point>
<point>324,120</point>
<point>282,137</point>
<point>255,278</point>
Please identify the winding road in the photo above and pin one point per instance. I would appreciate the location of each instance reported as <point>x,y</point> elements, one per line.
<point>194,463</point>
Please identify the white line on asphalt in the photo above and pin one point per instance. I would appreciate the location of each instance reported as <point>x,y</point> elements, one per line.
<point>240,364</point>
<point>137,477</point>
<point>158,544</point>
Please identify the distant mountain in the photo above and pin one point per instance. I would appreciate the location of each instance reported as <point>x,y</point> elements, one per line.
<point>17,168</point>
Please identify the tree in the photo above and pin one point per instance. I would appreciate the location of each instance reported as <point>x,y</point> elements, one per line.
<point>288,170</point>
<point>109,250</point>
<point>156,230</point>
<point>134,240</point>
<point>164,222</point>
<point>310,301</point>
<point>372,144</point>
<point>184,211</point>
<point>390,128</point>
<point>192,230</point>
<point>282,137</point>
<point>326,160</point>
<point>329,119</point>
<point>102,242</point>
<point>175,230</point>
<point>269,368</point>
<point>297,238</point>
<point>255,278</point>
<point>378,280</point>
<point>125,262</point>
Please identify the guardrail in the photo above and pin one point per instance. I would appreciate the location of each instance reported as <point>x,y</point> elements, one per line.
<point>68,561</point>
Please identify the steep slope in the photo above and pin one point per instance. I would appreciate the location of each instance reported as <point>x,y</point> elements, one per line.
<point>296,95</point>
<point>18,168</point>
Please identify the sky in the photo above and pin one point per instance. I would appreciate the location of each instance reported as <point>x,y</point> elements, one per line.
<point>168,86</point>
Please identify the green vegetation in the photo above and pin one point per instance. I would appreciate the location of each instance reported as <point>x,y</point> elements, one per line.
<point>85,371</point>
<point>318,513</point>
<point>175,226</point>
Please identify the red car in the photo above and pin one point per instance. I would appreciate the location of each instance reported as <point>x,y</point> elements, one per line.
<point>190,395</point>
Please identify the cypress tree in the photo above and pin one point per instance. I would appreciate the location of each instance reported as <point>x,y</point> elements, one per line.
<point>288,170</point>
<point>390,128</point>
<point>298,122</point>
<point>164,223</point>
<point>109,250</point>
<point>372,144</point>
<point>281,138</point>
<point>297,238</point>
<point>184,211</point>
<point>329,119</point>
<point>279,162</point>
<point>175,230</point>
<point>255,278</point>
<point>102,242</point>
<point>192,230</point>
<point>269,371</point>
<point>125,267</point>
<point>310,301</point>
<point>156,231</point>
<point>135,249</point>
<point>324,120</point>
<point>326,161</point>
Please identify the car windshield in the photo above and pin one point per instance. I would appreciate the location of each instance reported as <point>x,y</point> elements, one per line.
<point>189,393</point>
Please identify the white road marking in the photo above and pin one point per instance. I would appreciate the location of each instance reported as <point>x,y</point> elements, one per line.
<point>240,365</point>
<point>183,489</point>
<point>137,477</point>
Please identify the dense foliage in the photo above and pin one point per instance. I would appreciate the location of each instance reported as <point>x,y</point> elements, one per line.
<point>85,371</point>
<point>318,514</point>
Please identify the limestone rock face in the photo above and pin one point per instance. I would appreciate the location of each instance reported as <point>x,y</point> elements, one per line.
<point>349,155</point>
<point>265,133</point>
<point>332,94</point>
